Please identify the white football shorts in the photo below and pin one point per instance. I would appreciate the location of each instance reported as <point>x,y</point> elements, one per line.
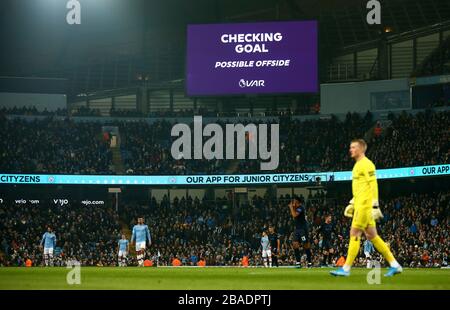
<point>140,246</point>
<point>266,253</point>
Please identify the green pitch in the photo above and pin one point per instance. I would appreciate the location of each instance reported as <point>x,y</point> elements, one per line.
<point>216,278</point>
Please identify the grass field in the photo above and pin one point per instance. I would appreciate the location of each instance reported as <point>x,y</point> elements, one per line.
<point>216,279</point>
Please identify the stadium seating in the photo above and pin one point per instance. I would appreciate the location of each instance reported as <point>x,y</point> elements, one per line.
<point>86,234</point>
<point>423,139</point>
<point>53,146</point>
<point>146,150</point>
<point>416,227</point>
<point>69,146</point>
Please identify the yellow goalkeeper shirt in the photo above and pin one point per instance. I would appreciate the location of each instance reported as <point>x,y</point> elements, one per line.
<point>364,182</point>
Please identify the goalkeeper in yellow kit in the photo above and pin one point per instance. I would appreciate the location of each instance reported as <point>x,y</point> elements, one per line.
<point>365,210</point>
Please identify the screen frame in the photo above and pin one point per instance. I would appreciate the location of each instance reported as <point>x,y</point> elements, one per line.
<point>244,95</point>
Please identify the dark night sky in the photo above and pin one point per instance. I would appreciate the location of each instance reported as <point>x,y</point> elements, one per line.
<point>35,37</point>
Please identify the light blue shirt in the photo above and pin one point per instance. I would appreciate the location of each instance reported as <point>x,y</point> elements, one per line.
<point>123,245</point>
<point>265,243</point>
<point>141,233</point>
<point>368,246</point>
<point>49,240</point>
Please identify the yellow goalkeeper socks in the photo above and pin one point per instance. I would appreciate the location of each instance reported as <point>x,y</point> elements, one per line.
<point>382,247</point>
<point>353,250</point>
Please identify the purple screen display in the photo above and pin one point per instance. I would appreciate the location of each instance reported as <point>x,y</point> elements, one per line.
<point>252,58</point>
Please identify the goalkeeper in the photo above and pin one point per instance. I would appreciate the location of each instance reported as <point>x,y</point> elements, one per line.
<point>365,210</point>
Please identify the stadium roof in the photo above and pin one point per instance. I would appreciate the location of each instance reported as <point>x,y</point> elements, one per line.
<point>343,22</point>
<point>36,41</point>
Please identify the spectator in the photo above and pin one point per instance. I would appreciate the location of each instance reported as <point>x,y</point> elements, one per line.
<point>377,130</point>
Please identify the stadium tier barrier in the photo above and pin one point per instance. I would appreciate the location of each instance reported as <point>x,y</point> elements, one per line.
<point>234,179</point>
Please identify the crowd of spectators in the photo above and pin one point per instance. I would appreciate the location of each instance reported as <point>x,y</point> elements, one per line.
<point>125,113</point>
<point>184,113</point>
<point>70,146</point>
<point>220,232</point>
<point>146,149</point>
<point>301,110</point>
<point>87,234</point>
<point>205,112</point>
<point>31,110</point>
<point>53,146</point>
<point>415,226</point>
<point>315,145</point>
<point>413,140</point>
<point>321,145</point>
<point>85,111</point>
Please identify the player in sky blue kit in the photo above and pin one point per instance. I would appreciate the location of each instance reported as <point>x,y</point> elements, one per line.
<point>368,250</point>
<point>266,253</point>
<point>124,247</point>
<point>141,234</point>
<point>49,243</point>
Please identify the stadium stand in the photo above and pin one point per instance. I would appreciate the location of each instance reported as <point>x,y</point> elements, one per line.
<point>55,146</point>
<point>32,110</point>
<point>305,145</point>
<point>423,139</point>
<point>415,225</point>
<point>84,234</point>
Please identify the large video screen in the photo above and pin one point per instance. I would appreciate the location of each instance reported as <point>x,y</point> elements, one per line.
<point>252,58</point>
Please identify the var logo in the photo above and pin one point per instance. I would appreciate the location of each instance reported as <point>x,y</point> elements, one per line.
<point>251,83</point>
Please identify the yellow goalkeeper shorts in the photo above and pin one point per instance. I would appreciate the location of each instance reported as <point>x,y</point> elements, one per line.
<point>362,217</point>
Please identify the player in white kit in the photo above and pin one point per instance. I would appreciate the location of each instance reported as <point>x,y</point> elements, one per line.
<point>368,250</point>
<point>266,252</point>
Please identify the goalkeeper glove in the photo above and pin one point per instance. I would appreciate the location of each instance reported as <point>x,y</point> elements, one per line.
<point>348,212</point>
<point>376,212</point>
